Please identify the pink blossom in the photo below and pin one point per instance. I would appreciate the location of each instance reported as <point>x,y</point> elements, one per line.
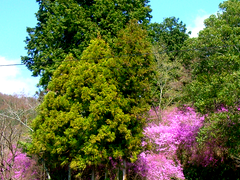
<point>177,127</point>
<point>21,165</point>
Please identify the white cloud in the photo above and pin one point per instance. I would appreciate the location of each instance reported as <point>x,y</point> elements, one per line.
<point>198,23</point>
<point>13,79</point>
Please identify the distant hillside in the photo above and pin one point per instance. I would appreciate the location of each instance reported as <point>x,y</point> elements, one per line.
<point>17,108</point>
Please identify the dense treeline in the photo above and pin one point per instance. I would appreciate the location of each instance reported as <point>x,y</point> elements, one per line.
<point>129,99</point>
<point>214,89</point>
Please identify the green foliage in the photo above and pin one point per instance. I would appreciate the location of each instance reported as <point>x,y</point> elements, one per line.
<point>215,86</point>
<point>219,172</point>
<point>133,70</point>
<point>94,108</point>
<point>170,34</point>
<point>215,67</point>
<point>168,81</point>
<point>68,26</point>
<point>223,129</point>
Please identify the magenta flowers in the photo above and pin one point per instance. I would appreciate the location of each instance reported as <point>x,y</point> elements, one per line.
<point>176,128</point>
<point>18,166</point>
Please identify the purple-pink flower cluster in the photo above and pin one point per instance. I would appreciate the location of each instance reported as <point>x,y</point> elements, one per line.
<point>176,127</point>
<point>177,130</point>
<point>19,166</point>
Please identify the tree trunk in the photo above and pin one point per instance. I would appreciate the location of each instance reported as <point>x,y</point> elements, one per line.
<point>118,174</point>
<point>48,174</point>
<point>69,172</point>
<point>124,170</point>
<point>106,173</point>
<point>93,174</point>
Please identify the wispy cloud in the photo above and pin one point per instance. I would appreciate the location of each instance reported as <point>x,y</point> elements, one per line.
<point>198,23</point>
<point>16,79</point>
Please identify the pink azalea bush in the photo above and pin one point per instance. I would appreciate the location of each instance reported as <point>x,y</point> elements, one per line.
<point>19,166</point>
<point>23,166</point>
<point>176,128</point>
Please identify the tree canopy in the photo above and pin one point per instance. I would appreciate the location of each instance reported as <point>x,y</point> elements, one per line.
<point>170,35</point>
<point>215,86</point>
<point>215,66</point>
<point>68,26</point>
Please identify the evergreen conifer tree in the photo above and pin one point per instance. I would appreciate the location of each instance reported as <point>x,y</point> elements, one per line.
<point>95,107</point>
<point>68,26</point>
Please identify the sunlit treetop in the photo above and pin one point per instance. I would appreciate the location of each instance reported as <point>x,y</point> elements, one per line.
<point>68,26</point>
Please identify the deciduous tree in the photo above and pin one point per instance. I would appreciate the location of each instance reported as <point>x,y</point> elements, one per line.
<point>168,81</point>
<point>170,35</point>
<point>16,113</point>
<point>215,65</point>
<point>215,82</point>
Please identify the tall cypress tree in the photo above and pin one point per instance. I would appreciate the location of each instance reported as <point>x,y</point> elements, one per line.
<point>95,107</point>
<point>67,26</point>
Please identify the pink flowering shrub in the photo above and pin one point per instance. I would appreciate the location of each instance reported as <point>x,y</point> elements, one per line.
<point>210,145</point>
<point>19,166</point>
<point>176,128</point>
<point>211,156</point>
<point>23,166</point>
<point>160,167</point>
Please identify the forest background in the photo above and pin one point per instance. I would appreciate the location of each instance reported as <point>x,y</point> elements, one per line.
<point>15,16</point>
<point>92,119</point>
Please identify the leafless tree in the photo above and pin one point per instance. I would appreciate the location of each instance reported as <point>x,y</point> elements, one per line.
<point>16,114</point>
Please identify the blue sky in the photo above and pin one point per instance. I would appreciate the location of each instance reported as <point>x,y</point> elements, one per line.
<point>16,15</point>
